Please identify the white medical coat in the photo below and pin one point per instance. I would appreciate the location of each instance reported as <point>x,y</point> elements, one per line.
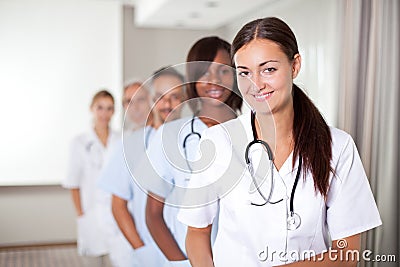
<point>249,235</point>
<point>87,155</point>
<point>116,178</point>
<point>167,158</point>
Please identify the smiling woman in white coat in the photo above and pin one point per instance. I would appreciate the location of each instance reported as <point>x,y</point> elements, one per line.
<point>313,195</point>
<point>85,162</point>
<point>214,98</point>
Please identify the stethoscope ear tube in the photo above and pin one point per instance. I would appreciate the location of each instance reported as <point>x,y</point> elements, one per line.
<point>264,144</point>
<point>296,181</point>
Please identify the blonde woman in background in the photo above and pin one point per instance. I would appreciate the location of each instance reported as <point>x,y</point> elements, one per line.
<point>86,159</point>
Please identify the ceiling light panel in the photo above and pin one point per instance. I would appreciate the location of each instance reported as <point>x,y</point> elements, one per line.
<point>199,14</point>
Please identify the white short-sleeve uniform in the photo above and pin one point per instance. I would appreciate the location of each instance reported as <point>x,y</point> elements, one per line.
<point>116,179</point>
<point>87,155</point>
<point>251,235</point>
<point>167,157</point>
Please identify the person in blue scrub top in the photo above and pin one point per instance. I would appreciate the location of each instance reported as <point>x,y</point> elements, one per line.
<point>214,98</point>
<point>120,251</point>
<point>135,246</point>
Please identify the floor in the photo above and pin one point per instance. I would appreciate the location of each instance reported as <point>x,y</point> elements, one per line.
<point>48,256</point>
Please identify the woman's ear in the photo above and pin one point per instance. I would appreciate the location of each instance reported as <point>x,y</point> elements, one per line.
<point>296,65</point>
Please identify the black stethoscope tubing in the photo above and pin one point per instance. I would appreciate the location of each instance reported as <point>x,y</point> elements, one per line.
<point>192,132</point>
<point>296,181</point>
<point>271,157</point>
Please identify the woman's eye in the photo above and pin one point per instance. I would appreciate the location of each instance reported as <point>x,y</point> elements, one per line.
<point>243,73</point>
<point>268,70</point>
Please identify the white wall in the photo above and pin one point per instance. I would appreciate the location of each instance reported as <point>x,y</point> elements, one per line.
<point>59,54</point>
<point>148,49</point>
<point>36,215</point>
<point>54,54</point>
<point>314,22</point>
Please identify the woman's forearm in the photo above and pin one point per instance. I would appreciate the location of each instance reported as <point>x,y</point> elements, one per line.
<point>76,199</point>
<point>198,246</point>
<point>159,230</point>
<point>125,221</point>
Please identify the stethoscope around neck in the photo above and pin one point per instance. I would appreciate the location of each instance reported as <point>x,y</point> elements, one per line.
<point>192,133</point>
<point>293,220</point>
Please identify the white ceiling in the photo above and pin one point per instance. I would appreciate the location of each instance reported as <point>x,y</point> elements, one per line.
<point>191,14</point>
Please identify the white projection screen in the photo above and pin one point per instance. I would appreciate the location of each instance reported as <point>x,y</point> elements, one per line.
<point>54,55</point>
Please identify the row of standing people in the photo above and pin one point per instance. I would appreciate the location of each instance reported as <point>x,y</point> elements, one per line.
<point>148,183</point>
<point>132,244</point>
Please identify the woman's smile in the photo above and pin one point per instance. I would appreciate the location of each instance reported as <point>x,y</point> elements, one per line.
<point>263,96</point>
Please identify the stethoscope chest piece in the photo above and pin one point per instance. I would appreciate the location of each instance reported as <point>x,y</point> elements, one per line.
<point>293,221</point>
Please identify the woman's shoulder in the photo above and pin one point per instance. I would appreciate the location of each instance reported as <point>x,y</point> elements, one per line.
<point>81,142</point>
<point>82,137</point>
<point>228,137</point>
<point>234,127</point>
<point>339,135</point>
<point>341,142</point>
